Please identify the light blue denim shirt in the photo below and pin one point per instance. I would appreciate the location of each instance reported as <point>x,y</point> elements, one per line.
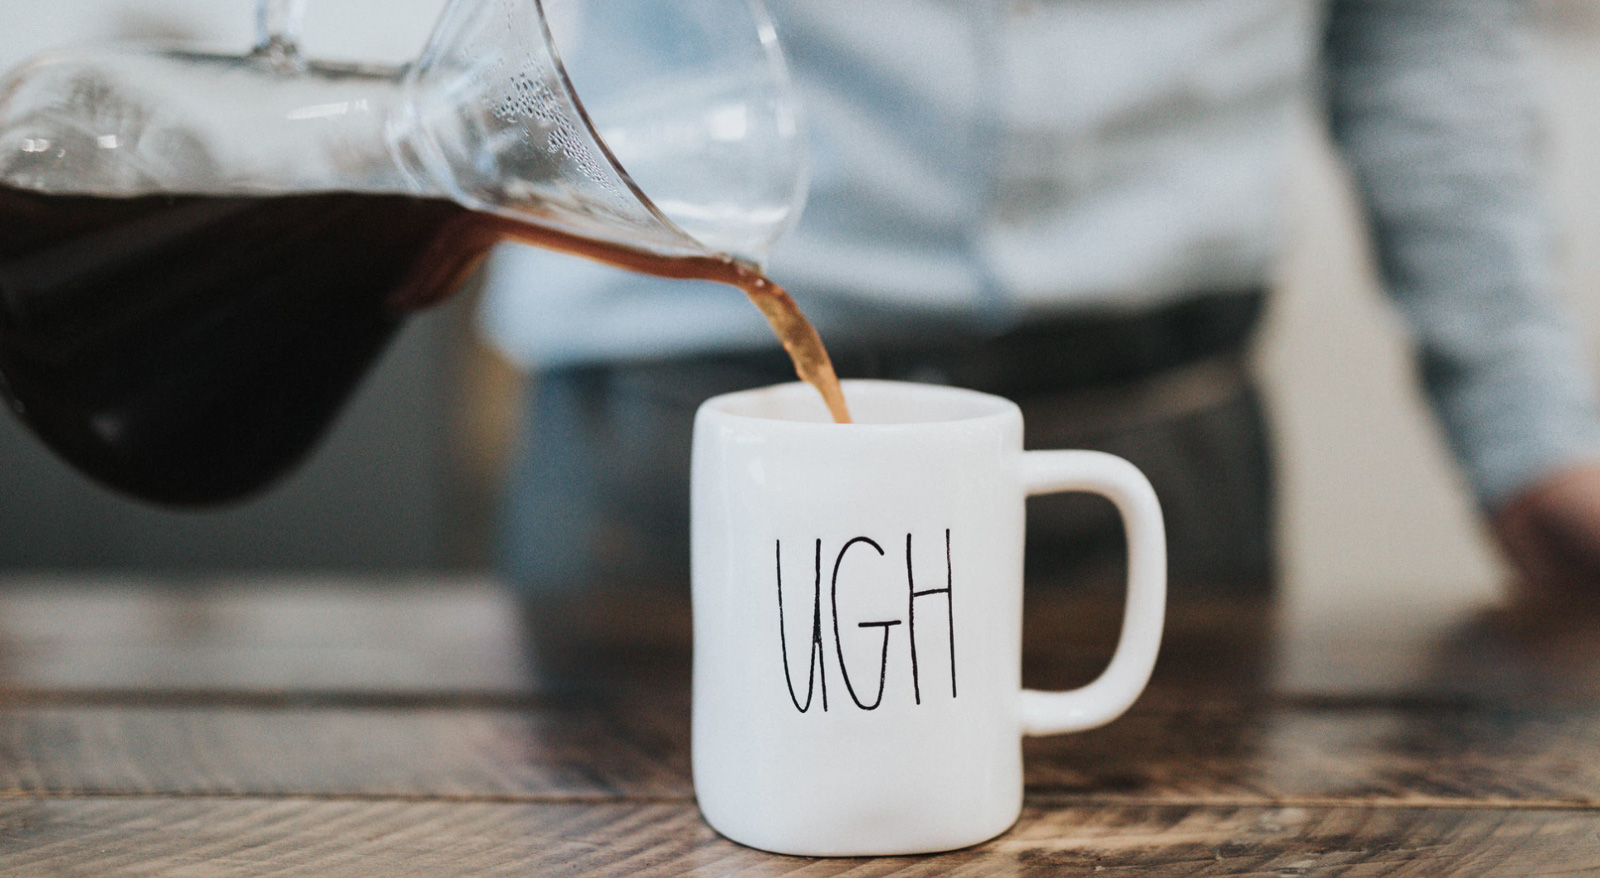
<point>978,163</point>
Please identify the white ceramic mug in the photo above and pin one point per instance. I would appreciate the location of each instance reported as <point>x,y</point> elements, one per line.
<point>858,615</point>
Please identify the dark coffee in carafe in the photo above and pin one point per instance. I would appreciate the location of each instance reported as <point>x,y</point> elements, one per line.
<point>190,350</point>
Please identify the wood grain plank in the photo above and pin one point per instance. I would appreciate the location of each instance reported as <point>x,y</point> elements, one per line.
<point>574,752</point>
<point>253,837</point>
<point>263,635</point>
<point>1275,752</point>
<point>433,636</point>
<point>437,636</point>
<point>637,747</point>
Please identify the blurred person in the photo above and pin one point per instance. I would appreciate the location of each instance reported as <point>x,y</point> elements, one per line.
<point>1077,204</point>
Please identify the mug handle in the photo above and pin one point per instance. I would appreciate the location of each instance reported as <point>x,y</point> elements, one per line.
<point>1100,702</point>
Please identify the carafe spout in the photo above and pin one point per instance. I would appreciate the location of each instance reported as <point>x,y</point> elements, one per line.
<point>668,129</point>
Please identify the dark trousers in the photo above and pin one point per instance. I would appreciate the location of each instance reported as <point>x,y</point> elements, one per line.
<point>600,494</point>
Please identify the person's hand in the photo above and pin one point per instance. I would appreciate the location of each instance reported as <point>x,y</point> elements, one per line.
<point>1551,534</point>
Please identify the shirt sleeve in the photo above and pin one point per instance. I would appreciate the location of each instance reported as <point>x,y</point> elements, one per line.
<point>1430,102</point>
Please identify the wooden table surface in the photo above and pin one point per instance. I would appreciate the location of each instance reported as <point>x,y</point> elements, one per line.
<point>335,728</point>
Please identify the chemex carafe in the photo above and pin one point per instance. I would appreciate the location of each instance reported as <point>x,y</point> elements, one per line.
<point>202,254</point>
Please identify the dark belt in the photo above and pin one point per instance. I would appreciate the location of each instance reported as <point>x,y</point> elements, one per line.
<point>1080,352</point>
<point>1098,354</point>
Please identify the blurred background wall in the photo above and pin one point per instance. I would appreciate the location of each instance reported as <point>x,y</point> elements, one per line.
<point>1372,506</point>
<point>408,479</point>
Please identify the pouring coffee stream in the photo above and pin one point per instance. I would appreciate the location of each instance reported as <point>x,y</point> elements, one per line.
<point>188,296</point>
<point>457,256</point>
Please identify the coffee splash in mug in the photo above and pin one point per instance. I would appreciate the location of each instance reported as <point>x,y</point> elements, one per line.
<point>190,350</point>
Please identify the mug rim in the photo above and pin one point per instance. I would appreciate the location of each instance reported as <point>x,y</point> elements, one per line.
<point>956,405</point>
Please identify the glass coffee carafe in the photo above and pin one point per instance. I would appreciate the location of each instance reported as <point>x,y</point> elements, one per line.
<point>202,254</point>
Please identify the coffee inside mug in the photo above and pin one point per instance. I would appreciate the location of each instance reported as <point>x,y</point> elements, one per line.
<point>871,403</point>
